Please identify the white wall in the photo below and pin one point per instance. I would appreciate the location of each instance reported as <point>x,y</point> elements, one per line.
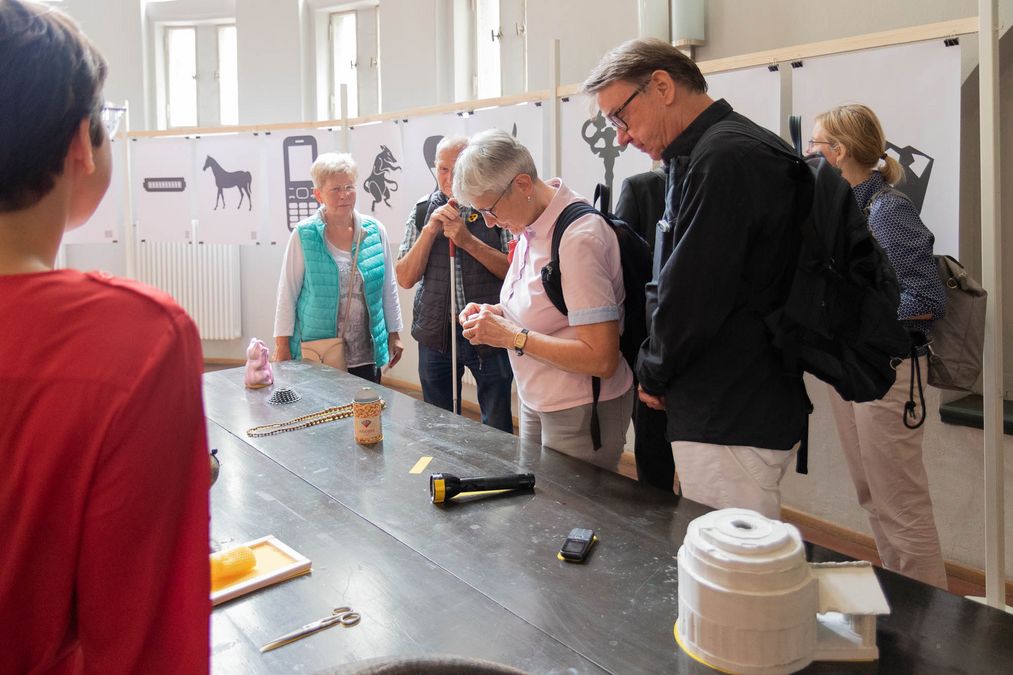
<point>274,88</point>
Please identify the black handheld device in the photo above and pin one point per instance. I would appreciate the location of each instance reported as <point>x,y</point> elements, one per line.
<point>577,545</point>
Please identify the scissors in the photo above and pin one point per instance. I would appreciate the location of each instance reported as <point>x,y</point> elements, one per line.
<point>343,615</point>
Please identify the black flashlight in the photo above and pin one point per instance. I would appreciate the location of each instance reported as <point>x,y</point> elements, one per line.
<point>444,486</point>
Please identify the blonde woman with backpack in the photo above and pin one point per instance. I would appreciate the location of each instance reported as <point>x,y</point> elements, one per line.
<point>883,451</point>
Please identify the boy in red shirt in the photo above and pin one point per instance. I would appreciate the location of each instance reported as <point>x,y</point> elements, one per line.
<point>103,454</point>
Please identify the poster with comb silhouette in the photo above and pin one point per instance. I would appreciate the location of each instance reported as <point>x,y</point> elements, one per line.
<point>162,185</point>
<point>523,121</point>
<point>419,138</point>
<point>591,154</point>
<point>106,225</point>
<point>753,92</point>
<point>230,189</point>
<point>916,95</point>
<point>378,152</point>
<point>289,198</point>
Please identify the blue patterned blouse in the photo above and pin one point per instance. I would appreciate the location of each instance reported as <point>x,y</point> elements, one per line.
<point>897,227</point>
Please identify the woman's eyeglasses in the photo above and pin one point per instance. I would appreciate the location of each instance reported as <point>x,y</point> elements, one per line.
<point>812,144</point>
<point>491,211</point>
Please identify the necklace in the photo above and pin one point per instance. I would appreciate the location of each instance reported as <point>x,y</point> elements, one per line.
<point>311,420</point>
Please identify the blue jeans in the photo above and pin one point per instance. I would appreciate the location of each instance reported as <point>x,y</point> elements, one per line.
<point>492,375</point>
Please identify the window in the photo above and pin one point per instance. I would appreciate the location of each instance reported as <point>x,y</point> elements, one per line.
<point>199,82</point>
<point>181,76</point>
<point>488,78</point>
<point>228,76</point>
<point>344,66</point>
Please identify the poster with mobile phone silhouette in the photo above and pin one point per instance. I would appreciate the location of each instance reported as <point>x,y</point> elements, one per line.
<point>289,199</point>
<point>916,95</point>
<point>162,185</point>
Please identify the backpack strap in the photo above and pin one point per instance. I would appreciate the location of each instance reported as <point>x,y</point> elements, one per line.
<point>421,209</point>
<point>553,283</point>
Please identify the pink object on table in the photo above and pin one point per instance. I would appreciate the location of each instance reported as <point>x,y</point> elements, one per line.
<point>258,367</point>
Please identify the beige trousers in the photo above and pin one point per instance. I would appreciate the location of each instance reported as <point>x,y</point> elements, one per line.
<point>885,461</point>
<point>725,476</point>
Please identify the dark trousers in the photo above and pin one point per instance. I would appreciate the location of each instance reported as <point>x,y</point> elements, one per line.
<point>492,375</point>
<point>367,372</point>
<point>655,465</point>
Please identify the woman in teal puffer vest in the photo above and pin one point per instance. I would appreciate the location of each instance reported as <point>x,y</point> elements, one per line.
<point>313,289</point>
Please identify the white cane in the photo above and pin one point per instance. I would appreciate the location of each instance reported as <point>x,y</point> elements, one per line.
<point>453,324</point>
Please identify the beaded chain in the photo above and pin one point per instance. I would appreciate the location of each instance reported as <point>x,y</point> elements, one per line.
<point>319,417</point>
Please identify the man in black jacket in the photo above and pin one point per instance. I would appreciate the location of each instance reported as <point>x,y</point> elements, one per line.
<point>724,260</point>
<point>481,262</point>
<point>641,204</point>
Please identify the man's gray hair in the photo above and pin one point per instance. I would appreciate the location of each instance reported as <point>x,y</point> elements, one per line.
<point>635,60</point>
<point>455,143</point>
<point>331,164</point>
<point>491,160</point>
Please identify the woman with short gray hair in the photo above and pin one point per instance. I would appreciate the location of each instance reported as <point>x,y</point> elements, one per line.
<point>339,241</point>
<point>554,356</point>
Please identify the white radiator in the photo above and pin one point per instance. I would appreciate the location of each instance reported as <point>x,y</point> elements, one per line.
<point>202,278</point>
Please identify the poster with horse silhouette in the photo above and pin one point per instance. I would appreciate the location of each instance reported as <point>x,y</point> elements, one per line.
<point>106,225</point>
<point>231,189</point>
<point>919,108</point>
<point>591,153</point>
<point>162,184</point>
<point>419,138</point>
<point>289,198</point>
<point>753,92</point>
<point>378,153</point>
<point>524,121</point>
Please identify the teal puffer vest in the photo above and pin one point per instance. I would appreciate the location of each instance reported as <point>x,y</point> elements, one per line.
<point>316,315</point>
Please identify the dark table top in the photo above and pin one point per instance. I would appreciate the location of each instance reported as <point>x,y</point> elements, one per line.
<point>481,577</point>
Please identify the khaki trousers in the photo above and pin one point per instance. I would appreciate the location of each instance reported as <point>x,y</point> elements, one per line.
<point>885,461</point>
<point>726,476</point>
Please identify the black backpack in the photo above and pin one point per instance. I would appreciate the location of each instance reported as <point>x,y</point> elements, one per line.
<point>839,321</point>
<point>635,257</point>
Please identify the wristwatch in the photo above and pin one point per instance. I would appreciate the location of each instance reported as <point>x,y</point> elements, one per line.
<point>520,340</point>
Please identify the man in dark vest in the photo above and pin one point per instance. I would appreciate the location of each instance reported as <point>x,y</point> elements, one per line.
<point>481,263</point>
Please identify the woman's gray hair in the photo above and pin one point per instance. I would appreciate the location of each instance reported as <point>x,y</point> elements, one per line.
<point>331,164</point>
<point>491,160</point>
<point>635,60</point>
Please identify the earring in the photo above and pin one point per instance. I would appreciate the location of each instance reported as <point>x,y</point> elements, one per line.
<point>529,198</point>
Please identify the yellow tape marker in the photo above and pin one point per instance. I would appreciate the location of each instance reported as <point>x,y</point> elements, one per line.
<point>421,465</point>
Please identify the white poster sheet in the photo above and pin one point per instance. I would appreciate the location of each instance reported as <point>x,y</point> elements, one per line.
<point>230,189</point>
<point>918,105</point>
<point>524,121</point>
<point>752,92</point>
<point>162,178</point>
<point>419,138</point>
<point>378,153</point>
<point>591,154</point>
<point>106,225</point>
<point>288,156</point>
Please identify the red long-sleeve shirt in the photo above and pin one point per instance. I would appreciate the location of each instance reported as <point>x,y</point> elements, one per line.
<point>103,479</point>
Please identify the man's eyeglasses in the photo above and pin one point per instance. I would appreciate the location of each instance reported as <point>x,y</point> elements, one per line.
<point>614,117</point>
<point>491,211</point>
<point>111,116</point>
<point>812,144</point>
